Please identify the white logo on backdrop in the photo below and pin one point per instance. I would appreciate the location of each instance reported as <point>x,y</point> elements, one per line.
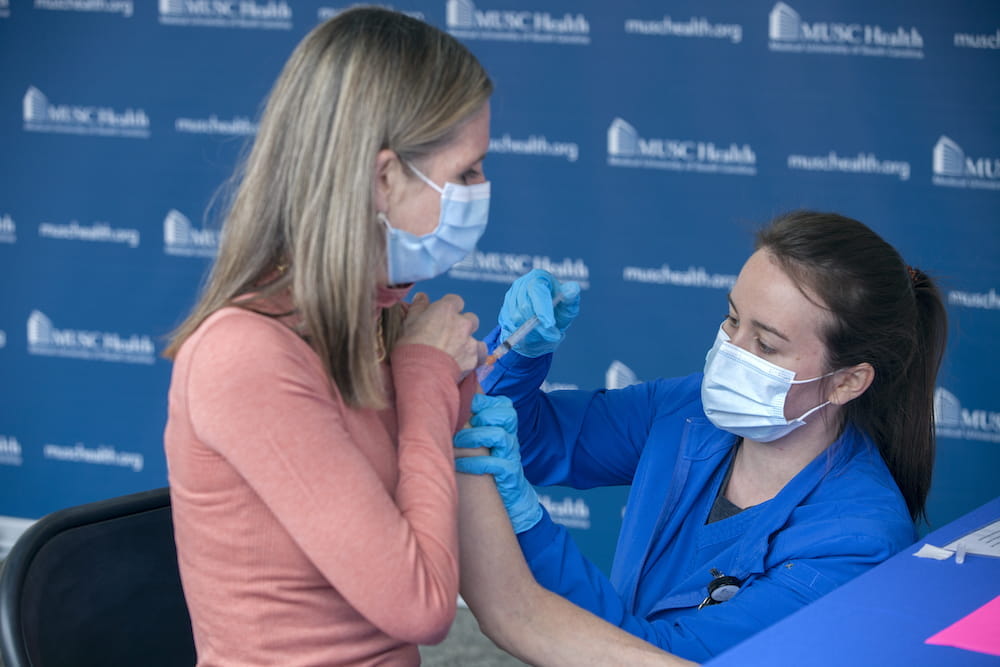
<point>789,33</point>
<point>3,339</point>
<point>8,230</point>
<point>245,14</point>
<point>626,148</point>
<point>10,451</point>
<point>182,238</point>
<point>964,40</point>
<point>4,9</point>
<point>324,13</point>
<point>237,126</point>
<point>570,512</point>
<point>548,386</point>
<point>619,376</point>
<point>693,27</point>
<point>954,421</point>
<point>954,169</point>
<point>45,340</point>
<point>40,115</point>
<point>693,276</point>
<point>502,267</point>
<point>123,7</point>
<point>105,455</point>
<point>984,300</point>
<point>466,21</point>
<point>98,232</point>
<point>862,163</point>
<point>535,145</point>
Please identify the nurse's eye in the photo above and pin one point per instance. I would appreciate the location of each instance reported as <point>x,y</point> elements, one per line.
<point>473,175</point>
<point>764,347</point>
<point>732,321</point>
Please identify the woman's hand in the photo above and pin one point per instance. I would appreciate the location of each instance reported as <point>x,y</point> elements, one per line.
<point>443,325</point>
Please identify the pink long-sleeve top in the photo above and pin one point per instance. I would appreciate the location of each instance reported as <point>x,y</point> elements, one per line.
<point>308,532</point>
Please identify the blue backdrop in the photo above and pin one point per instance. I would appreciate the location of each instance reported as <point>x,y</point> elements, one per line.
<point>634,148</point>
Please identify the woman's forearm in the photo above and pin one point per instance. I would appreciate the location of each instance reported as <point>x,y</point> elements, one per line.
<point>519,615</point>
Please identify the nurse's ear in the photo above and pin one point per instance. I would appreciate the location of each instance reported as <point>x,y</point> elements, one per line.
<point>849,383</point>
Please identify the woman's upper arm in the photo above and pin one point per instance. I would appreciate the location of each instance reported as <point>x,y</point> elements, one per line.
<point>255,398</point>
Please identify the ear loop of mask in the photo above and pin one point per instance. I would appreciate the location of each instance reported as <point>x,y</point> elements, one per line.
<point>821,405</point>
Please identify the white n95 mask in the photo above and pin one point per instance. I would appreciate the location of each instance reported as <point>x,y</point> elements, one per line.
<point>464,213</point>
<point>745,395</point>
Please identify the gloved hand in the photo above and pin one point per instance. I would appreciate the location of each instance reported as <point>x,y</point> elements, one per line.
<point>494,425</point>
<point>532,294</point>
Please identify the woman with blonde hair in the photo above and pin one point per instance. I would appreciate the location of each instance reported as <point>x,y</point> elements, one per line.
<point>311,412</point>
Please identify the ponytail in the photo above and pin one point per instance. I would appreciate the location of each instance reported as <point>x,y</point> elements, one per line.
<point>909,436</point>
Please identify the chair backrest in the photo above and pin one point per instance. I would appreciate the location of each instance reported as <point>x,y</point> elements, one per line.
<point>96,585</point>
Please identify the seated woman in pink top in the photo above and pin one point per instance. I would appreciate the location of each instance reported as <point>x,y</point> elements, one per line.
<point>311,412</point>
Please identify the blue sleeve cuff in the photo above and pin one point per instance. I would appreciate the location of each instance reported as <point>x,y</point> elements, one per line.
<point>534,540</point>
<point>513,367</point>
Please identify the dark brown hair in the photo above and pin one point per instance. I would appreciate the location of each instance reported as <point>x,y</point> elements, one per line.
<point>883,312</point>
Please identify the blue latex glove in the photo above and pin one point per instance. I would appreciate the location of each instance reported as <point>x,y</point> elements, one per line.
<point>532,294</point>
<point>494,425</point>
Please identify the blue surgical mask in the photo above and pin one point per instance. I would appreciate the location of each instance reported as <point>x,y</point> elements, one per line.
<point>745,395</point>
<point>464,212</point>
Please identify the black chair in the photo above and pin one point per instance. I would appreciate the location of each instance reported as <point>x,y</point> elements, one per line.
<point>96,585</point>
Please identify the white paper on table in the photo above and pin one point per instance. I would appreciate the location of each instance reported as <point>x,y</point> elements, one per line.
<point>931,551</point>
<point>984,541</point>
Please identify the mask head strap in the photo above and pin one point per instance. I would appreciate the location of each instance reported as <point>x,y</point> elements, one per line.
<point>422,177</point>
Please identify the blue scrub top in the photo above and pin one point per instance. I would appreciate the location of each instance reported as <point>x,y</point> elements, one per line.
<point>840,516</point>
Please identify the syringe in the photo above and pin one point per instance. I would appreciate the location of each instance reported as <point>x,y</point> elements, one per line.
<point>518,335</point>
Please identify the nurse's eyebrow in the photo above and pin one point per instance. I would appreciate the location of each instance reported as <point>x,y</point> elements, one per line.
<point>758,324</point>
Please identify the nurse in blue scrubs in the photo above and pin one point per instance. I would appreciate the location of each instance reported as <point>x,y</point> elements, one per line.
<point>799,458</point>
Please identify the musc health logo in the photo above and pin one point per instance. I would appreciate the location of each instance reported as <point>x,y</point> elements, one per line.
<point>789,33</point>
<point>954,421</point>
<point>535,145</point>
<point>98,232</point>
<point>964,40</point>
<point>8,230</point>
<point>10,451</point>
<point>570,512</point>
<point>45,340</point>
<point>619,376</point>
<point>4,9</point>
<point>465,21</point>
<point>239,126</point>
<point>123,7</point>
<point>324,13</point>
<point>862,163</point>
<point>626,148</point>
<point>105,455</point>
<point>953,169</point>
<point>697,27</point>
<point>248,14</point>
<point>503,267</point>
<point>693,276</point>
<point>549,385</point>
<point>984,300</point>
<point>40,115</point>
<point>182,238</point>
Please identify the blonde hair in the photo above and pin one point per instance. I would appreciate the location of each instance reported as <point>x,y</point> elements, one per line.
<point>366,80</point>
